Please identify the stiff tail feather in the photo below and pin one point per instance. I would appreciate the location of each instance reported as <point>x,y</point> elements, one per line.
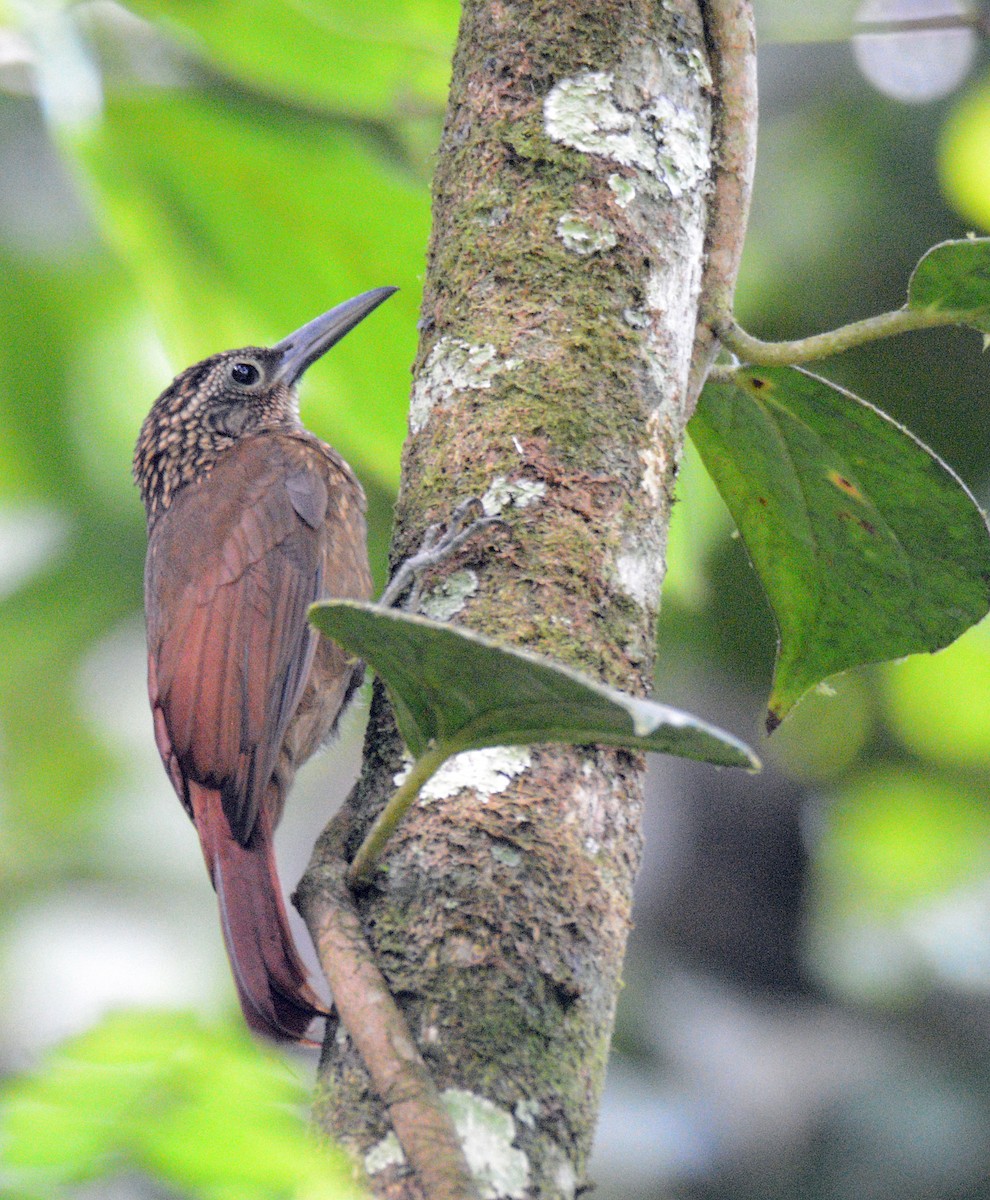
<point>272,982</point>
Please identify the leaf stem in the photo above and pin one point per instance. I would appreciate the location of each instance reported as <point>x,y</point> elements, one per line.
<point>823,345</point>
<point>730,35</point>
<point>371,848</point>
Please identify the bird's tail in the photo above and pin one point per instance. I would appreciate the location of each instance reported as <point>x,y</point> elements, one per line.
<point>272,982</point>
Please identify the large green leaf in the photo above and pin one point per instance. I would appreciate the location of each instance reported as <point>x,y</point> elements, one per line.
<point>372,58</point>
<point>867,545</point>
<point>955,276</point>
<point>240,225</point>
<point>457,690</point>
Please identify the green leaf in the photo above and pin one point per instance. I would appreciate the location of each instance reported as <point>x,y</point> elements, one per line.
<point>461,691</point>
<point>367,59</point>
<point>867,545</point>
<point>955,276</point>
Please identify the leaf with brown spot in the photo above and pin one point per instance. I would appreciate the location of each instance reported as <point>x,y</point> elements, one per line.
<point>867,545</point>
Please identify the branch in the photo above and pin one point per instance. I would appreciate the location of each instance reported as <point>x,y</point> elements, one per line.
<point>730,34</point>
<point>559,314</point>
<point>379,1031</point>
<point>823,345</point>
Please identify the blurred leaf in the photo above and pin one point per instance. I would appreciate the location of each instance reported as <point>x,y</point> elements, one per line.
<point>867,545</point>
<point>241,224</point>
<point>940,707</point>
<point>899,838</point>
<point>204,1110</point>
<point>457,690</point>
<point>52,761</point>
<point>965,156</point>
<point>898,890</point>
<point>45,317</point>
<point>784,21</point>
<point>370,59</point>
<point>955,275</point>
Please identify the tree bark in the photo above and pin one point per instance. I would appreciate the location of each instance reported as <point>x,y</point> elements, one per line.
<point>558,321</point>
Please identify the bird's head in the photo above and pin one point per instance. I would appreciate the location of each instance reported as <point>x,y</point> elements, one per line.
<point>232,395</point>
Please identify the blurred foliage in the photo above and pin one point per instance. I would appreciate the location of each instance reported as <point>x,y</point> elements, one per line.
<point>183,175</point>
<point>922,692</point>
<point>167,178</point>
<point>387,56</point>
<point>965,158</point>
<point>203,1110</point>
<point>900,877</point>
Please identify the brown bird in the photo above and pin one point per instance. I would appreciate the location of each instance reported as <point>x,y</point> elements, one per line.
<point>250,519</point>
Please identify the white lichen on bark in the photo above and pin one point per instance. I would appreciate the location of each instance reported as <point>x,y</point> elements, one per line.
<point>487,1134</point>
<point>520,493</point>
<point>638,572</point>
<point>487,772</point>
<point>651,116</point>
<point>585,235</point>
<point>453,366</point>
<point>448,598</point>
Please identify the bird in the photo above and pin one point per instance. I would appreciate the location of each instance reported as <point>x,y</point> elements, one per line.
<point>251,518</point>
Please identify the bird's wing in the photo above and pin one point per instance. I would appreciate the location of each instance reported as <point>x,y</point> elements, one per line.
<point>232,567</point>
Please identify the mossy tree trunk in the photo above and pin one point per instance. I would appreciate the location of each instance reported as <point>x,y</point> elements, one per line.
<point>559,319</point>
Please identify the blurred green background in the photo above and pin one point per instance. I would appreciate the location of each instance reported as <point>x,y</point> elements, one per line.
<point>808,1001</point>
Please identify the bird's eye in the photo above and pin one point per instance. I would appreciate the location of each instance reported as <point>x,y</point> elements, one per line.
<point>244,373</point>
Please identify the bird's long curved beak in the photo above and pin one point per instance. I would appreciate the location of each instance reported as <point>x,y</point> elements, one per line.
<point>302,348</point>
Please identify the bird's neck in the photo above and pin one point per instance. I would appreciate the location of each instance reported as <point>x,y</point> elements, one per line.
<point>168,460</point>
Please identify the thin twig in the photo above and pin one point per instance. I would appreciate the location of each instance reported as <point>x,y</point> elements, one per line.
<point>824,345</point>
<point>730,33</point>
<point>378,1029</point>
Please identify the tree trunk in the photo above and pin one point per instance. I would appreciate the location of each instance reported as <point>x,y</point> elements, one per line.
<point>559,316</point>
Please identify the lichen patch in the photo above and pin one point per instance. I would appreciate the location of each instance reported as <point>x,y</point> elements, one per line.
<point>637,572</point>
<point>586,235</point>
<point>449,596</point>
<point>645,129</point>
<point>520,493</point>
<point>623,189</point>
<point>487,1133</point>
<point>453,366</point>
<point>386,1153</point>
<point>654,460</point>
<point>487,772</point>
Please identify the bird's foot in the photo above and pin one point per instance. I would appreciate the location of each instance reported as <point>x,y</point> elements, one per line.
<point>439,543</point>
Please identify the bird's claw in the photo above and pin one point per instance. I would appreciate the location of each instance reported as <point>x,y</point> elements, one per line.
<point>438,544</point>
